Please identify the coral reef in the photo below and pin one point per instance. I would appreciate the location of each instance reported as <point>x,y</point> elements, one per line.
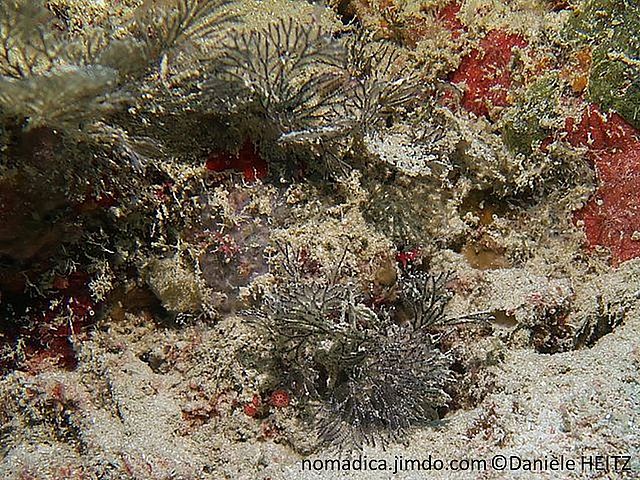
<point>222,225</point>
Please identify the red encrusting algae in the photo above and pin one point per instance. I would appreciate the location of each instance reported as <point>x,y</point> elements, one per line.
<point>448,18</point>
<point>247,160</point>
<point>486,72</point>
<point>611,217</point>
<point>48,329</point>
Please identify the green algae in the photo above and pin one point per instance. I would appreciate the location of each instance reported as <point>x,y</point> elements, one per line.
<point>612,29</point>
<point>534,116</point>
